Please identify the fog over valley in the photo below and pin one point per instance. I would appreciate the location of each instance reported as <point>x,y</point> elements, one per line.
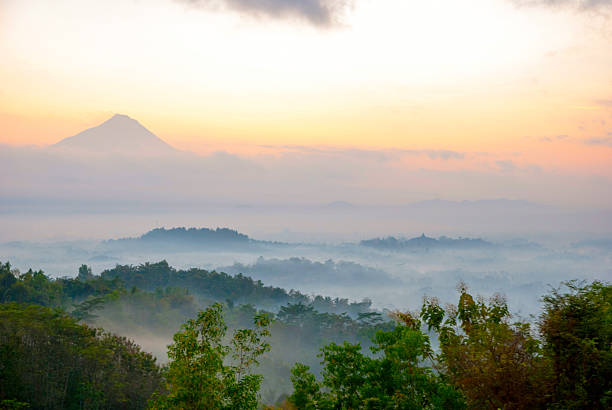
<point>392,277</point>
<point>92,198</point>
<point>305,204</point>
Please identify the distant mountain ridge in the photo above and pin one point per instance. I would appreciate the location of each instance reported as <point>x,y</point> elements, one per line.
<point>119,134</point>
<point>478,205</point>
<point>424,242</point>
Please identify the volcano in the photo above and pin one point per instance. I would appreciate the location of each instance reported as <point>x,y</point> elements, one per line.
<point>119,134</point>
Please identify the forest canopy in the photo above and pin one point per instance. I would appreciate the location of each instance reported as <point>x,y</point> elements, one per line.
<point>472,354</point>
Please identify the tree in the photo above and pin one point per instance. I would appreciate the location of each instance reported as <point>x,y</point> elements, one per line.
<point>198,376</point>
<point>577,329</point>
<point>84,311</point>
<point>495,363</point>
<point>85,273</point>
<point>396,378</point>
<point>49,361</point>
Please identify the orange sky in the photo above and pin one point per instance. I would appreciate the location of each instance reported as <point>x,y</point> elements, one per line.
<point>480,77</point>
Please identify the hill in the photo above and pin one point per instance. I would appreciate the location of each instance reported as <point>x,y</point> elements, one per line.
<point>425,242</point>
<point>189,239</point>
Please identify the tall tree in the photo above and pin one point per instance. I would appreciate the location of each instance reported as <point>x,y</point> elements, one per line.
<point>495,363</point>
<point>198,376</point>
<point>577,328</point>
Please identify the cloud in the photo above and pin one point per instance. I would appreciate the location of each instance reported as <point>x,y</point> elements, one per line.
<point>506,165</point>
<point>318,12</point>
<point>605,141</point>
<point>383,155</point>
<point>443,154</point>
<point>555,138</point>
<point>575,4</point>
<point>604,102</point>
<point>48,176</point>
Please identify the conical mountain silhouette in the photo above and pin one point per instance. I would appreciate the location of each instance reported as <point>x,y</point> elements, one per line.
<point>121,134</point>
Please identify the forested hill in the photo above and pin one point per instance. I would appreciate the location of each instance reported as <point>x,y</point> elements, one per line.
<point>486,358</point>
<point>194,239</point>
<point>300,327</point>
<point>219,286</point>
<point>425,242</point>
<point>195,235</point>
<point>190,239</point>
<point>205,286</point>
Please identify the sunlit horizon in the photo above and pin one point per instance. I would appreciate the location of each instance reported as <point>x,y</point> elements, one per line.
<point>507,89</point>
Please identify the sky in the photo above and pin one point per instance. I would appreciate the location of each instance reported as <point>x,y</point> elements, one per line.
<point>490,86</point>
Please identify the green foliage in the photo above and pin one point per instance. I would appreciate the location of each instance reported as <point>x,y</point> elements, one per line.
<point>84,310</point>
<point>395,378</point>
<point>36,287</point>
<point>495,363</point>
<point>85,273</point>
<point>48,360</point>
<point>30,287</point>
<point>13,405</point>
<point>198,376</point>
<point>94,299</point>
<point>211,286</point>
<point>499,364</point>
<point>309,326</point>
<point>298,332</point>
<point>307,391</point>
<point>577,330</point>
<point>485,359</point>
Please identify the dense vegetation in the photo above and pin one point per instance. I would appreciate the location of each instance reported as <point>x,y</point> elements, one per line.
<point>49,361</point>
<point>195,235</point>
<point>213,286</point>
<point>424,242</point>
<point>485,358</point>
<point>168,285</point>
<point>485,361</point>
<point>395,377</point>
<point>302,270</point>
<point>298,329</point>
<point>199,377</point>
<point>191,239</point>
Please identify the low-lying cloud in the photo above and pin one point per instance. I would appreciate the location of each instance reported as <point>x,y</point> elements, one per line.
<point>317,12</point>
<point>555,138</point>
<point>297,175</point>
<point>604,102</point>
<point>381,155</point>
<point>605,141</point>
<point>442,154</point>
<point>506,165</point>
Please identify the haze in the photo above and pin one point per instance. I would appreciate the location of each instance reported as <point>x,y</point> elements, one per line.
<point>317,124</point>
